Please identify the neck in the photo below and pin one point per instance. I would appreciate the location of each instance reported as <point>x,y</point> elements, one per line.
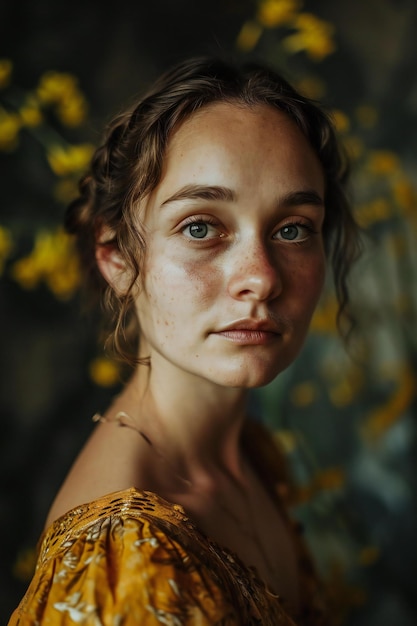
<point>196,426</point>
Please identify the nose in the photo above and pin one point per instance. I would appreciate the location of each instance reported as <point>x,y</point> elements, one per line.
<point>255,275</point>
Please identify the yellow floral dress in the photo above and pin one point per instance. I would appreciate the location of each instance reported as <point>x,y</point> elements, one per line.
<point>133,559</point>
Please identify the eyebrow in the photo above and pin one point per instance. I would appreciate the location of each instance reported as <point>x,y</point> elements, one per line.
<point>298,198</point>
<point>202,192</point>
<point>225,194</point>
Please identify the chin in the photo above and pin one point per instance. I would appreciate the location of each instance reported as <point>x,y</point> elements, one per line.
<point>248,377</point>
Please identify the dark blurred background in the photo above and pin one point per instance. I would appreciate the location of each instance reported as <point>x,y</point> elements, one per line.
<point>346,419</point>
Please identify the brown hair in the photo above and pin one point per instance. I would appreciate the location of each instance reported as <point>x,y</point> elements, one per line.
<point>128,165</point>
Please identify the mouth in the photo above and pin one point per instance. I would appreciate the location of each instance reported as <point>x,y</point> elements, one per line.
<point>250,332</point>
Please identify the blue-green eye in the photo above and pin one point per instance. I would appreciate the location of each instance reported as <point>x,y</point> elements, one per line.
<point>198,230</point>
<point>290,232</point>
<point>296,232</point>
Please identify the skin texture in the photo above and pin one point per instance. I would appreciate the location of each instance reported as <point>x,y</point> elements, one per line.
<point>244,266</point>
<point>234,267</point>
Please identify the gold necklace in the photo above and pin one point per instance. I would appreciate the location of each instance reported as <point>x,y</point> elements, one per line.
<point>124,420</point>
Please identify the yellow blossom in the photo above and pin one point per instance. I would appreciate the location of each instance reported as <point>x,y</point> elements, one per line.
<point>340,120</point>
<point>64,161</point>
<point>383,162</point>
<point>6,68</point>
<point>52,261</point>
<point>6,246</point>
<point>10,125</point>
<point>314,36</point>
<point>366,115</point>
<point>382,418</point>
<point>72,111</point>
<point>104,372</point>
<point>329,479</point>
<point>378,210</point>
<point>55,86</point>
<point>62,91</point>
<point>30,115</point>
<point>303,394</point>
<point>273,13</point>
<point>249,36</point>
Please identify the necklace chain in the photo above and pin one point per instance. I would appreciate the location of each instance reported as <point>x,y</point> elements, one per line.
<point>124,420</point>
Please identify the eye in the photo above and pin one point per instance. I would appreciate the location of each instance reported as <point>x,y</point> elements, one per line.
<point>201,229</point>
<point>296,232</point>
<point>198,230</point>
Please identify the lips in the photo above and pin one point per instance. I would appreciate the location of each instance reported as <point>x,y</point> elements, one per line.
<point>250,332</point>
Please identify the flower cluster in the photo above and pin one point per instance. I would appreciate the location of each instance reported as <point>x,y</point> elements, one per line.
<point>56,93</point>
<point>52,262</point>
<point>307,32</point>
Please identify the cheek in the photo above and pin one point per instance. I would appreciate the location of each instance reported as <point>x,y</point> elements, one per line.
<point>307,279</point>
<point>177,288</point>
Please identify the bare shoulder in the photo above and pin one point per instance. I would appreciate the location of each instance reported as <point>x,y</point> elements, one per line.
<point>111,460</point>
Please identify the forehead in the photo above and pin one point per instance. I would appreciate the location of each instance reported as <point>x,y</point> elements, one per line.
<point>256,152</point>
<point>222,120</point>
<point>224,138</point>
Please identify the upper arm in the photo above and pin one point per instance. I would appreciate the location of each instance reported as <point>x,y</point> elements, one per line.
<point>124,572</point>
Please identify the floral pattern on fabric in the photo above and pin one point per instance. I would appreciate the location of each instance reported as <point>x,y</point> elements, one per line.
<point>131,558</point>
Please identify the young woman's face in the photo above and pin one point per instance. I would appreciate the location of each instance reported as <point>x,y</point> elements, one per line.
<point>235,260</point>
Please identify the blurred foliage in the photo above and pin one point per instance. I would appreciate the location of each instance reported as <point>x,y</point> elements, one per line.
<point>345,419</point>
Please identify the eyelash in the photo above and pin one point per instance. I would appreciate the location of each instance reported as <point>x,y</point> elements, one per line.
<point>195,219</point>
<point>299,224</point>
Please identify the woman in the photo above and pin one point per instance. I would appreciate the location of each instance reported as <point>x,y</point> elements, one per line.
<point>210,211</point>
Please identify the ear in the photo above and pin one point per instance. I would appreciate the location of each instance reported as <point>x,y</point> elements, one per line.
<point>111,263</point>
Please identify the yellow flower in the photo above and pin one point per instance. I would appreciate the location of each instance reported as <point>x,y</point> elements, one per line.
<point>383,162</point>
<point>378,210</point>
<point>72,111</point>
<point>104,372</point>
<point>249,36</point>
<point>6,67</point>
<point>6,246</point>
<point>381,419</point>
<point>273,13</point>
<point>10,125</point>
<point>53,261</point>
<point>314,36</point>
<point>329,479</point>
<point>64,161</point>
<point>55,86</point>
<point>304,394</point>
<point>62,91</point>
<point>340,120</point>
<point>30,115</point>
